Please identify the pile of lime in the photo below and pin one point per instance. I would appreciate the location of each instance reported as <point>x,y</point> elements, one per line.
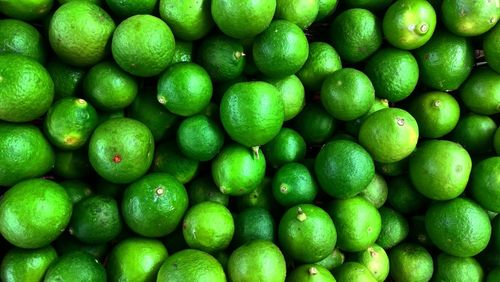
<point>249,140</point>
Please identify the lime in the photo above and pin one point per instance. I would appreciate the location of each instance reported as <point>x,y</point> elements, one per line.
<point>356,34</point>
<point>357,221</point>
<point>145,53</point>
<point>243,18</point>
<point>451,268</point>
<point>402,195</point>
<point>24,153</point>
<point>376,192</point>
<point>469,18</point>
<point>26,88</point>
<point>392,169</point>
<point>310,273</point>
<point>395,228</point>
<point>19,37</point>
<point>188,20</point>
<point>184,89</point>
<point>271,52</point>
<point>481,91</point>
<point>352,126</point>
<point>154,205</point>
<point>343,168</point>
<point>409,24</point>
<point>72,164</point>
<point>475,133</point>
<point>261,197</point>
<point>376,260</point>
<point>410,262</point>
<point>484,183</point>
<point>314,123</point>
<point>26,10</point>
<point>257,260</point>
<point>67,79</point>
<point>237,170</point>
<point>200,138</point>
<point>436,113</point>
<point>300,12</point>
<point>333,260</point>
<point>375,5</point>
<point>77,190</point>
<point>322,61</point>
<point>43,198</point>
<point>292,93</point>
<point>75,266</point>
<point>326,9</point>
<point>459,227</point>
<point>203,189</point>
<point>80,33</point>
<point>252,113</point>
<point>389,135</point>
<point>288,146</point>
<point>491,52</point>
<point>293,184</point>
<point>191,265</point>
<point>128,8</point>
<point>253,223</point>
<point>353,272</point>
<point>183,52</point>
<point>347,94</point>
<point>168,158</point>
<point>136,259</point>
<point>26,265</point>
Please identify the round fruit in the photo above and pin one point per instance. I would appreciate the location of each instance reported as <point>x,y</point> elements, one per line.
<point>310,272</point>
<point>410,262</point>
<point>169,159</point>
<point>491,52</point>
<point>376,260</point>
<point>288,146</point>
<point>75,266</point>
<point>451,268</point>
<point>253,223</point>
<point>128,8</point>
<point>353,272</point>
<point>475,132</point>
<point>376,192</point>
<point>292,93</point>
<point>26,265</point>
<point>395,228</point>
<point>191,265</point>
<point>300,12</point>
<point>484,183</point>
<point>469,18</point>
<point>322,61</point>
<point>293,184</point>
<point>26,10</point>
<point>189,20</point>
<point>200,138</point>
<point>481,91</point>
<point>314,123</point>
<point>19,37</point>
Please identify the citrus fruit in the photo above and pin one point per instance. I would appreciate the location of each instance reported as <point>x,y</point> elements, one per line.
<point>121,150</point>
<point>376,192</point>
<point>252,113</point>
<point>459,227</point>
<point>24,153</point>
<point>375,5</point>
<point>484,183</point>
<point>475,132</point>
<point>153,47</point>
<point>271,53</point>
<point>26,88</point>
<point>294,184</point>
<point>402,195</point>
<point>347,94</point>
<point>326,9</point>
<point>333,260</point>
<point>288,146</point>
<point>80,33</point>
<point>19,37</point>
<point>128,8</point>
<point>26,10</point>
<point>451,268</point>
<point>469,18</point>
<point>300,12</point>
<point>322,61</point>
<point>253,223</point>
<point>389,135</point>
<point>203,189</point>
<point>184,89</point>
<point>343,168</point>
<point>74,266</point>
<point>352,126</point>
<point>72,164</point>
<point>183,52</point>
<point>353,272</point>
<point>169,159</point>
<point>394,230</point>
<point>67,79</point>
<point>189,20</point>
<point>243,18</point>
<point>26,264</point>
<point>445,61</point>
<point>392,169</point>
<point>77,190</point>
<point>309,273</point>
<point>481,91</point>
<point>410,262</point>
<point>199,137</point>
<point>358,223</point>
<point>409,24</point>
<point>154,205</point>
<point>314,123</point>
<point>436,113</point>
<point>292,93</point>
<point>191,265</point>
<point>135,259</point>
<point>257,260</point>
<point>491,52</point>
<point>261,196</point>
<point>19,205</point>
<point>238,170</point>
<point>393,72</point>
<point>376,260</point>
<point>356,34</point>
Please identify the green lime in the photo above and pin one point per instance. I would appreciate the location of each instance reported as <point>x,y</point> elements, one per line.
<point>356,34</point>
<point>72,164</point>
<point>252,113</point>
<point>374,5</point>
<point>376,191</point>
<point>183,52</point>
<point>389,135</point>
<point>375,259</point>
<point>409,24</point>
<point>436,113</point>
<point>26,88</point>
<point>393,72</point>
<point>347,94</point>
<point>314,123</point>
<point>343,168</point>
<point>68,79</point>
<point>26,10</point>
<point>353,272</point>
<point>484,183</point>
<point>292,93</point>
<point>261,197</point>
<point>80,33</point>
<point>65,244</point>
<point>26,265</point>
<point>392,169</point>
<point>208,226</point>
<point>459,227</point>
<point>445,61</point>
<point>34,212</point>
<point>326,9</point>
<point>310,273</point>
<point>402,195</point>
<point>294,184</point>
<point>333,260</point>
<point>24,153</point>
<point>288,146</point>
<point>237,170</point>
<point>128,8</point>
<point>19,37</point>
<point>491,50</point>
<point>257,260</point>
<point>395,228</point>
<point>188,20</point>
<point>357,221</point>
<point>168,158</point>
<point>300,12</point>
<point>77,190</point>
<point>451,268</point>
<point>481,91</point>
<point>191,265</point>
<point>147,52</point>
<point>322,61</point>
<point>475,133</point>
<point>200,138</point>
<point>203,189</point>
<point>154,205</point>
<point>271,52</point>
<point>136,259</point>
<point>469,18</point>
<point>75,266</point>
<point>352,126</point>
<point>253,223</point>
<point>243,18</point>
<point>410,262</point>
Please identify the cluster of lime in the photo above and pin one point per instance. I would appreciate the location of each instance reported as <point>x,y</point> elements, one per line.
<point>249,140</point>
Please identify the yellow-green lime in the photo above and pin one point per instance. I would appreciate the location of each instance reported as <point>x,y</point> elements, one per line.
<point>26,264</point>
<point>322,61</point>
<point>292,93</point>
<point>310,273</point>
<point>469,18</point>
<point>395,228</point>
<point>300,12</point>
<point>191,265</point>
<point>376,191</point>
<point>375,259</point>
<point>189,20</point>
<point>353,272</point>
<point>410,262</point>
